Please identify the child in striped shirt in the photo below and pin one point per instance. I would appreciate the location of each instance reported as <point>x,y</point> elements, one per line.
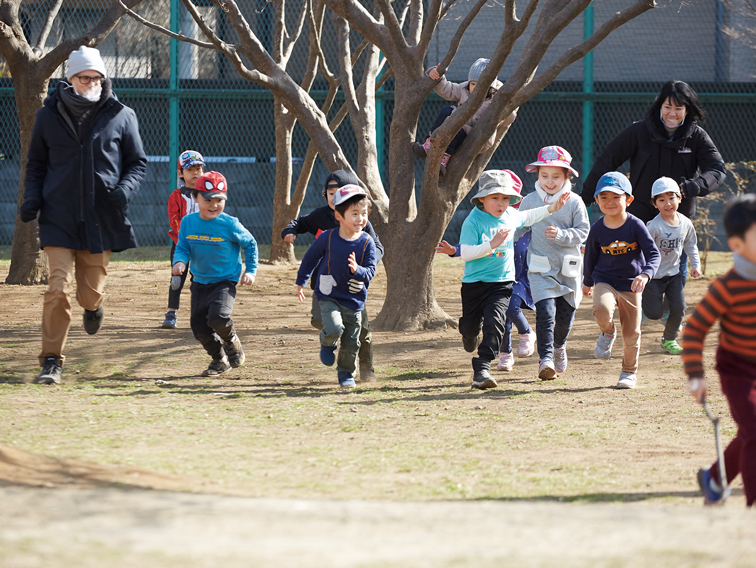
<point>732,300</point>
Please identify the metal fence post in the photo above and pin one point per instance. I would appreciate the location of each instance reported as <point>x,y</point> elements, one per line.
<point>587,101</point>
<point>173,87</point>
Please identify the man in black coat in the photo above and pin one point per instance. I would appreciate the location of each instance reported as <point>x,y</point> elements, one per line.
<point>85,164</point>
<point>321,220</point>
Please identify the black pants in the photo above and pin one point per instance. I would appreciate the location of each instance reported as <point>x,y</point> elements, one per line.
<point>484,306</point>
<point>442,115</point>
<point>211,315</point>
<point>174,296</point>
<point>671,289</point>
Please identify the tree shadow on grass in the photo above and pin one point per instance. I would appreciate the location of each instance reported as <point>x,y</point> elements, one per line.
<point>587,498</point>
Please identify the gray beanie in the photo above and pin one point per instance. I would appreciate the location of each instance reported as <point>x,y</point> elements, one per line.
<point>84,59</point>
<point>476,69</point>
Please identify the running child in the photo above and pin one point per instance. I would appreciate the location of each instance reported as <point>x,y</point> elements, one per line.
<point>212,242</point>
<point>459,92</point>
<point>486,246</point>
<point>321,220</point>
<point>554,260</point>
<point>344,260</point>
<point>732,300</point>
<point>191,165</point>
<point>521,297</point>
<point>673,233</point>
<point>620,259</point>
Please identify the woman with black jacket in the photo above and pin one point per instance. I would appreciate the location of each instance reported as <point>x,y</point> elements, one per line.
<point>669,142</point>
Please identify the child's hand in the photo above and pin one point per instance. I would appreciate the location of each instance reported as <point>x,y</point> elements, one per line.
<point>433,73</point>
<point>300,293</point>
<point>694,273</point>
<point>500,236</point>
<point>290,238</point>
<point>178,269</point>
<point>559,203</point>
<point>247,279</point>
<point>446,248</point>
<point>639,283</point>
<point>352,263</point>
<point>552,232</point>
<point>587,290</point>
<point>699,389</point>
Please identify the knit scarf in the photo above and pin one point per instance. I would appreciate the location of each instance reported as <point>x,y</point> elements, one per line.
<point>744,267</point>
<point>549,199</point>
<point>77,105</point>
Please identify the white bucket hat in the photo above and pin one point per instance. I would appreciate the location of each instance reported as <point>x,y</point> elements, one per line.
<point>496,181</point>
<point>665,185</point>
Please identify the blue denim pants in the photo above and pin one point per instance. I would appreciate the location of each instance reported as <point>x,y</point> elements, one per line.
<point>554,318</point>
<point>340,323</point>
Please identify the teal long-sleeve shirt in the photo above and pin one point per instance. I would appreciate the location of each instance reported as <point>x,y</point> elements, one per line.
<point>214,248</point>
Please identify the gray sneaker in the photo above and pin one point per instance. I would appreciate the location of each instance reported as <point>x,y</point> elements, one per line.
<point>560,359</point>
<point>604,345</point>
<point>626,380</point>
<point>51,371</point>
<point>234,352</point>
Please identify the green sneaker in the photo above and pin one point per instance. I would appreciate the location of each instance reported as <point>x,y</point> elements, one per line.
<point>671,347</point>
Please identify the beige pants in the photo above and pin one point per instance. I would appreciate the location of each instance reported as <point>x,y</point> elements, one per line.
<point>91,271</point>
<point>605,300</point>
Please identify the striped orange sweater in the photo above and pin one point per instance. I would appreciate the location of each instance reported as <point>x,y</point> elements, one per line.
<point>731,299</point>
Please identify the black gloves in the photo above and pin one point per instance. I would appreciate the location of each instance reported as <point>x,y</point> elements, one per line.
<point>690,188</point>
<point>28,211</point>
<point>119,197</point>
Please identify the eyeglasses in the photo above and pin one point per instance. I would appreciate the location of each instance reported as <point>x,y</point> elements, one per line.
<point>86,80</point>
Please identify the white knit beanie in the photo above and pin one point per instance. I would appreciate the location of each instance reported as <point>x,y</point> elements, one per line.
<point>84,59</point>
<point>476,69</point>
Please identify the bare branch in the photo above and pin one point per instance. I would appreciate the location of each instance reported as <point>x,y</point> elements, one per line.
<point>446,8</point>
<point>51,15</point>
<point>292,39</point>
<point>179,36</point>
<point>279,29</point>
<point>429,28</point>
<point>510,12</point>
<point>457,39</point>
<point>392,24</point>
<point>416,21</point>
<point>345,61</point>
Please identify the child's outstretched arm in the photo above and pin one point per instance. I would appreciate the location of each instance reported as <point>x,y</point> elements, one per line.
<point>446,248</point>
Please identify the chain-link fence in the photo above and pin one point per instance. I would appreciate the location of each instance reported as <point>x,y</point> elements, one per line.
<point>187,97</point>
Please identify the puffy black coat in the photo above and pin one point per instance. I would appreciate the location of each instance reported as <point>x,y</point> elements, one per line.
<point>69,176</point>
<point>690,155</point>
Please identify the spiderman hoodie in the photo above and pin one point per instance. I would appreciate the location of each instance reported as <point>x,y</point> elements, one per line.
<point>328,258</point>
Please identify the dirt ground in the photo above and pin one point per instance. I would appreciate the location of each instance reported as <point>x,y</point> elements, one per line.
<point>412,458</point>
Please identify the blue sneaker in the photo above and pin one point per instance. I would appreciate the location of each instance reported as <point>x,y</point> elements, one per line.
<point>170,320</point>
<point>346,380</point>
<point>711,495</point>
<point>328,355</point>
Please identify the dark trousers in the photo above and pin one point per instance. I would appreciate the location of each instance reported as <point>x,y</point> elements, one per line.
<point>174,296</point>
<point>484,306</point>
<point>667,290</point>
<point>739,386</point>
<point>516,317</point>
<point>442,115</point>
<point>211,315</point>
<point>554,319</point>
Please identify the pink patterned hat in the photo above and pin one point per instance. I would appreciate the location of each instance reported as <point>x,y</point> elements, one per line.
<point>552,156</point>
<point>517,185</point>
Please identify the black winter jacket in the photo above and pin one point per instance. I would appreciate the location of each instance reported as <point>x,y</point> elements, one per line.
<point>70,176</point>
<point>690,155</point>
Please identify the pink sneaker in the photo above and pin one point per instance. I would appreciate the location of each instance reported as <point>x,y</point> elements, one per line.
<point>560,359</point>
<point>444,161</point>
<point>527,345</point>
<point>506,362</point>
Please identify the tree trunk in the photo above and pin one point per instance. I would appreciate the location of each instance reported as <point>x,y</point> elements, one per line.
<point>28,262</point>
<point>282,252</point>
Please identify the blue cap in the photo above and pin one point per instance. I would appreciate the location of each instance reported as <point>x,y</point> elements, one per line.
<point>614,182</point>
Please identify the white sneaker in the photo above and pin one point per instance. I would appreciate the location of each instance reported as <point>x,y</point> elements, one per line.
<point>527,344</point>
<point>626,380</point>
<point>560,359</point>
<point>604,345</point>
<point>506,362</point>
<point>546,371</point>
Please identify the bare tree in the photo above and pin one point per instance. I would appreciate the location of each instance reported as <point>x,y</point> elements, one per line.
<point>408,231</point>
<point>32,65</point>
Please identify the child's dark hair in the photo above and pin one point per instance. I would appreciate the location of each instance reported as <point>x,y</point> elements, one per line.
<point>740,215</point>
<point>680,93</point>
<point>343,207</point>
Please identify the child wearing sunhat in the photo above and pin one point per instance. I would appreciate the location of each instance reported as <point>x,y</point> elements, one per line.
<point>554,260</point>
<point>191,165</point>
<point>620,259</point>
<point>459,92</point>
<point>672,232</point>
<point>486,246</point>
<point>212,241</point>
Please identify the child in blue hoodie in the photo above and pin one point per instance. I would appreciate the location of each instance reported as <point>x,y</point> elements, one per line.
<point>345,261</point>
